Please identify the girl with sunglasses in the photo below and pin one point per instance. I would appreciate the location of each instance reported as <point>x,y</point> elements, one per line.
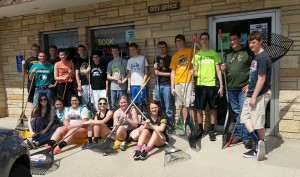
<point>75,116</point>
<point>42,118</point>
<point>148,136</point>
<point>101,125</point>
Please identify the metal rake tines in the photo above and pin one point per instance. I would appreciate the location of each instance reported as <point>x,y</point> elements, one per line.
<point>174,155</point>
<point>41,163</point>
<point>22,125</point>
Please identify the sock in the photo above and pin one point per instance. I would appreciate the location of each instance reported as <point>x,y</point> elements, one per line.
<point>90,139</point>
<point>96,139</point>
<point>212,127</point>
<point>62,144</point>
<point>129,140</point>
<point>139,147</point>
<point>51,142</point>
<point>148,148</point>
<point>201,127</point>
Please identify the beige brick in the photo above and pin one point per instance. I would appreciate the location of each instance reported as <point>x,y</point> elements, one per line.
<point>217,12</point>
<point>225,7</point>
<point>28,21</point>
<point>297,115</point>
<point>84,14</point>
<point>112,13</point>
<point>187,3</point>
<point>289,135</point>
<point>126,10</point>
<point>157,2</point>
<point>289,86</point>
<point>42,18</point>
<point>284,30</point>
<point>16,18</point>
<point>49,26</point>
<point>167,33</point>
<point>289,126</point>
<point>17,24</point>
<point>112,20</point>
<point>83,23</point>
<point>254,5</point>
<point>290,19</point>
<point>143,33</point>
<point>200,8</point>
<point>278,3</point>
<point>59,11</point>
<point>82,8</point>
<point>199,24</point>
<point>68,18</point>
<point>176,24</point>
<point>37,26</point>
<point>107,4</point>
<point>56,18</point>
<point>82,31</point>
<point>183,17</point>
<point>295,27</point>
<point>207,1</point>
<point>94,21</point>
<point>140,6</point>
<point>290,62</point>
<point>158,18</point>
<point>285,115</point>
<point>23,40</point>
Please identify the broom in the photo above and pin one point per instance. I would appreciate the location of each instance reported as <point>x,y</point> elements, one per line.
<point>172,154</point>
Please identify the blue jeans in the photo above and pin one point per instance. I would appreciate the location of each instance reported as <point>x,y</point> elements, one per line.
<point>114,97</point>
<point>37,93</point>
<point>46,137</point>
<point>163,95</point>
<point>236,99</point>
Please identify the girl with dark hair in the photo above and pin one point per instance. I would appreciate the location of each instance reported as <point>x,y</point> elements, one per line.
<point>42,117</point>
<point>64,76</point>
<point>158,121</point>
<point>101,124</point>
<point>74,118</point>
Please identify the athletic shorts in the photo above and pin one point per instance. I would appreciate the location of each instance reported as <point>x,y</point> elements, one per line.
<point>205,95</point>
<point>184,95</point>
<point>141,97</point>
<point>256,116</point>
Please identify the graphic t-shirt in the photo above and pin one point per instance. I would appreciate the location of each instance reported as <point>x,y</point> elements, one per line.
<point>206,63</point>
<point>137,68</point>
<point>117,68</point>
<point>182,64</point>
<point>81,65</point>
<point>44,74</point>
<point>164,66</point>
<point>260,65</point>
<point>237,68</point>
<point>98,76</point>
<point>76,115</point>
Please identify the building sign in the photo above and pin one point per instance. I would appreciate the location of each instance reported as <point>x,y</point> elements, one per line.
<point>164,7</point>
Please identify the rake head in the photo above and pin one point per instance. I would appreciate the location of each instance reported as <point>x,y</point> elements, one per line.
<point>41,162</point>
<point>104,146</point>
<point>174,155</point>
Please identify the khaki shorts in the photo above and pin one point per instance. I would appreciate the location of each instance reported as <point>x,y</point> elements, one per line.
<point>256,116</point>
<point>184,94</point>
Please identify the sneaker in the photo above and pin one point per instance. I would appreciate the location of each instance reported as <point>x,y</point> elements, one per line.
<point>236,140</point>
<point>123,146</point>
<point>87,145</point>
<point>261,152</point>
<point>137,155</point>
<point>212,136</point>
<point>144,155</point>
<point>251,153</point>
<point>248,144</point>
<point>57,150</point>
<point>199,135</point>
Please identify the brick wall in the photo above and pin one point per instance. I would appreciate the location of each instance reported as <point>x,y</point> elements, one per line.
<point>18,33</point>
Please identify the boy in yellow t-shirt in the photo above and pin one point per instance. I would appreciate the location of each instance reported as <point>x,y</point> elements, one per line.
<point>181,80</point>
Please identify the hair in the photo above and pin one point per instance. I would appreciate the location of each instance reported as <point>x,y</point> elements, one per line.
<point>204,34</point>
<point>102,98</point>
<point>180,36</point>
<point>160,112</point>
<point>255,35</point>
<point>123,97</point>
<point>115,47</point>
<point>42,52</point>
<point>235,33</point>
<point>81,46</point>
<point>133,45</point>
<point>59,99</point>
<point>37,111</point>
<point>162,43</point>
<point>53,47</point>
<point>76,96</point>
<point>64,51</point>
<point>97,52</point>
<point>36,46</point>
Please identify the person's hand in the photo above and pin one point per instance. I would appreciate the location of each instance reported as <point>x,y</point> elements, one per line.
<point>173,92</point>
<point>51,86</point>
<point>23,62</point>
<point>128,91</point>
<point>34,70</point>
<point>155,65</point>
<point>252,102</point>
<point>221,91</point>
<point>32,134</point>
<point>223,67</point>
<point>88,69</point>
<point>43,132</point>
<point>120,81</point>
<point>245,89</point>
<point>192,71</point>
<point>142,84</point>
<point>89,122</point>
<point>69,70</point>
<point>79,88</point>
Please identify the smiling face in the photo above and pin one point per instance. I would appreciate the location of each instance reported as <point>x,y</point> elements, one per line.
<point>75,102</point>
<point>115,53</point>
<point>43,100</point>
<point>235,42</point>
<point>123,103</point>
<point>204,40</point>
<point>102,104</point>
<point>255,45</point>
<point>63,56</point>
<point>42,57</point>
<point>59,105</point>
<point>81,51</point>
<point>154,109</point>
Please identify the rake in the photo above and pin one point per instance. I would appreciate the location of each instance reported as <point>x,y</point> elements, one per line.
<point>172,154</point>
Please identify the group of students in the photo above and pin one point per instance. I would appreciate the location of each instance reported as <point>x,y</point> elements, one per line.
<point>248,78</point>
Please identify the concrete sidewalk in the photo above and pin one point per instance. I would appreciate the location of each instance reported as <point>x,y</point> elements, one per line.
<point>283,160</point>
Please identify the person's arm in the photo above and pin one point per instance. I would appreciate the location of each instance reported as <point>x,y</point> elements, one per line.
<point>135,121</point>
<point>129,81</point>
<point>51,116</point>
<point>23,68</point>
<point>32,133</point>
<point>173,82</point>
<point>259,85</point>
<point>219,75</point>
<point>116,118</point>
<point>161,127</point>
<point>145,76</point>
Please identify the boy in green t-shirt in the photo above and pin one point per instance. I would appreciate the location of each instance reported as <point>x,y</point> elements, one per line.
<point>206,67</point>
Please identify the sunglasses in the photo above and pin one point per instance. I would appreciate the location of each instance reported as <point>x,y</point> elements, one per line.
<point>100,103</point>
<point>43,99</point>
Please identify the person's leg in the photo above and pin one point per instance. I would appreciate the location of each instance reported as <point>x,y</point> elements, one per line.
<point>36,97</point>
<point>114,99</point>
<point>49,94</point>
<point>134,135</point>
<point>167,102</point>
<point>58,134</point>
<point>44,139</point>
<point>144,138</point>
<point>121,133</point>
<point>96,94</point>
<point>156,93</point>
